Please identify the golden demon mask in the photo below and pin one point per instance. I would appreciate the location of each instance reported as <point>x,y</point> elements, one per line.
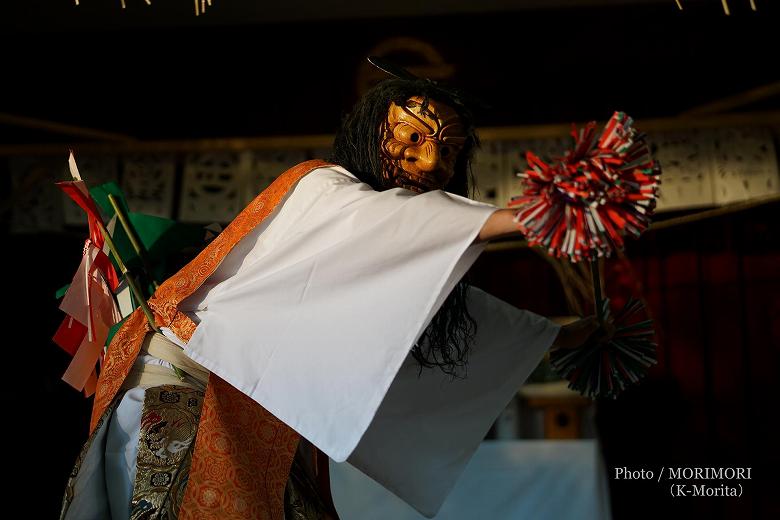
<point>420,144</point>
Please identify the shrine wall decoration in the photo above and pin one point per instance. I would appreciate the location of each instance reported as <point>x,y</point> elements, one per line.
<point>212,181</point>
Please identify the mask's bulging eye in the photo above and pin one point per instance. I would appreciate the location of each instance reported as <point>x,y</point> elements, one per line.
<point>408,134</point>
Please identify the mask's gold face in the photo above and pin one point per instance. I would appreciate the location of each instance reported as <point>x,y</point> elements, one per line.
<point>420,146</point>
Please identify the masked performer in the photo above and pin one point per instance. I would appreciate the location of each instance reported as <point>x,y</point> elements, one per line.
<point>329,317</point>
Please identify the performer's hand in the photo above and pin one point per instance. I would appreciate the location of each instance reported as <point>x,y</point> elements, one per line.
<point>575,334</point>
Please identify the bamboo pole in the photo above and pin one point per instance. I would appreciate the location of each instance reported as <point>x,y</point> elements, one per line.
<point>135,241</point>
<point>137,293</point>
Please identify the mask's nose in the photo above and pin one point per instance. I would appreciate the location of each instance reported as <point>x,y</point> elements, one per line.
<point>426,157</point>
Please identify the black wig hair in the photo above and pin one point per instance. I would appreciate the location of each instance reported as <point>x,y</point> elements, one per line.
<point>446,341</point>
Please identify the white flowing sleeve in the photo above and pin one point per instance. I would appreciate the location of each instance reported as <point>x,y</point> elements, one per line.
<point>324,302</point>
<point>429,425</point>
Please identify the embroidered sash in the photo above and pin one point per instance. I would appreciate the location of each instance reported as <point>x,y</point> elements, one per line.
<point>242,454</point>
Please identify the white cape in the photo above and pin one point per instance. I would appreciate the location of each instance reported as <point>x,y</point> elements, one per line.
<point>314,312</point>
<point>429,426</point>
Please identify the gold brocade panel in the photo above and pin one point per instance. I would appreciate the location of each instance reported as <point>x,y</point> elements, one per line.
<point>169,423</point>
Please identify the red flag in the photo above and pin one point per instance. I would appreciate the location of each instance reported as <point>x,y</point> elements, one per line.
<point>89,301</point>
<point>69,335</point>
<point>106,268</point>
<point>77,191</point>
<point>101,314</point>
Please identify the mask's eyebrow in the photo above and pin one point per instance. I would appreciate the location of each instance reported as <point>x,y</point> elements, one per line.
<point>424,108</point>
<point>453,131</point>
<point>431,130</point>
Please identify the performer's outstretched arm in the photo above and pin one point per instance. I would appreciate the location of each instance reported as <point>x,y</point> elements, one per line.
<point>500,224</point>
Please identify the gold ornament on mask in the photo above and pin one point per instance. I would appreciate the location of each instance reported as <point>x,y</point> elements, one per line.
<point>420,144</point>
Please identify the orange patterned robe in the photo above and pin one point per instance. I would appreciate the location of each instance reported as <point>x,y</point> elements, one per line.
<point>243,454</point>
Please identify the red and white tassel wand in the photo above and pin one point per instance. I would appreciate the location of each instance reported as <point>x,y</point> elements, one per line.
<point>580,206</point>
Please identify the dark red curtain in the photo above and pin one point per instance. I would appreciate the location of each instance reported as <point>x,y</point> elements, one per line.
<point>713,289</point>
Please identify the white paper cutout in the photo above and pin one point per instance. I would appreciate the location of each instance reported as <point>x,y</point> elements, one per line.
<point>489,171</point>
<point>267,165</point>
<point>37,202</point>
<point>686,159</point>
<point>211,188</point>
<point>745,164</point>
<point>148,184</point>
